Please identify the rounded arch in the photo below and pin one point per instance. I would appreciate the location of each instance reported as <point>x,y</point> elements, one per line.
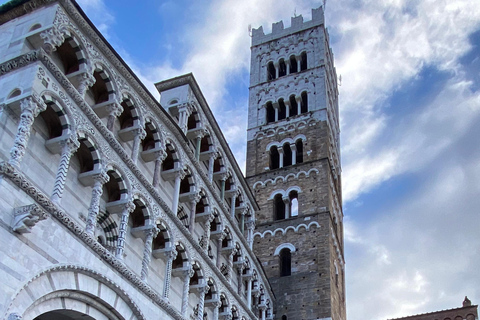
<point>153,138</point>
<point>44,293</point>
<point>288,246</point>
<point>90,151</point>
<point>119,176</point>
<point>164,238</point>
<point>57,115</point>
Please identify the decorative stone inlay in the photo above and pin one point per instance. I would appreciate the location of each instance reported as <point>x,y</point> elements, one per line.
<point>26,217</point>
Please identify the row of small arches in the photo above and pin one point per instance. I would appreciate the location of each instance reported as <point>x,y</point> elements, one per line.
<point>286,66</point>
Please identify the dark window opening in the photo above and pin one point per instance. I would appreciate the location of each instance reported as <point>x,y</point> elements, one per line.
<point>282,111</point>
<point>112,189</point>
<point>205,145</point>
<point>271,71</point>
<point>303,61</point>
<point>304,102</point>
<point>284,317</point>
<point>217,166</point>
<point>293,203</point>
<point>282,68</point>
<point>126,118</point>
<point>149,141</point>
<point>285,262</point>
<point>293,106</point>
<point>270,112</point>
<point>68,57</point>
<point>168,163</point>
<point>299,154</point>
<point>99,89</point>
<point>279,207</point>
<point>53,123</point>
<point>159,242</point>
<point>274,158</point>
<point>287,155</point>
<point>137,217</point>
<point>293,64</point>
<point>185,185</point>
<point>85,158</point>
<point>178,262</point>
<point>200,207</point>
<point>192,121</point>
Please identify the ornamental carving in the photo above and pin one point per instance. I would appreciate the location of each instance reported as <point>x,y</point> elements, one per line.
<point>26,217</point>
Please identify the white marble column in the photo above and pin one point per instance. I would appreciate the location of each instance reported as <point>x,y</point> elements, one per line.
<point>170,255</point>
<point>31,108</point>
<point>287,108</point>
<point>193,205</point>
<point>187,274</point>
<point>277,69</point>
<point>161,155</point>
<point>122,229</point>
<point>249,292</point>
<point>277,109</point>
<point>140,134</point>
<point>100,179</point>
<point>202,291</point>
<point>232,206</point>
<point>250,227</point>
<point>211,162</point>
<point>114,111</point>
<point>216,309</point>
<point>147,251</point>
<point>286,201</point>
<point>85,81</point>
<point>206,233</point>
<point>69,147</point>
<point>299,63</point>
<point>176,193</point>
<point>293,147</point>
<point>280,156</point>
<point>299,103</point>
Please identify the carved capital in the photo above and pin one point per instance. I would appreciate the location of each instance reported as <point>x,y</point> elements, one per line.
<point>151,232</point>
<point>70,145</point>
<point>101,177</point>
<point>250,224</point>
<point>161,155</point>
<point>25,218</point>
<point>115,109</point>
<point>170,254</point>
<point>141,133</point>
<point>52,38</point>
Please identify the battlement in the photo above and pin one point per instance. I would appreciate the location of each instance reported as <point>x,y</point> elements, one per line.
<point>278,30</point>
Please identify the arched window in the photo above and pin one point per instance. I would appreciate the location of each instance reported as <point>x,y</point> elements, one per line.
<point>279,207</point>
<point>293,196</point>
<point>303,61</point>
<point>274,158</point>
<point>271,71</point>
<point>287,155</point>
<point>285,262</point>
<point>293,106</point>
<point>270,112</point>
<point>284,317</point>
<point>282,110</point>
<point>304,102</point>
<point>283,68</point>
<point>293,64</point>
<point>299,154</point>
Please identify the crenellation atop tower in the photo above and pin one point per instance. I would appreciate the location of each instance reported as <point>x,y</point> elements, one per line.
<point>278,30</point>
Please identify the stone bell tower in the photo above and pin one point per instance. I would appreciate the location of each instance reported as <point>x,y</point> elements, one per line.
<point>293,167</point>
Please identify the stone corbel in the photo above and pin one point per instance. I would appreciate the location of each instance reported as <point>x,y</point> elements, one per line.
<point>26,217</point>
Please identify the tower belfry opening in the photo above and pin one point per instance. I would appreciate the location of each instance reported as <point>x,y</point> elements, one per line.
<point>294,170</point>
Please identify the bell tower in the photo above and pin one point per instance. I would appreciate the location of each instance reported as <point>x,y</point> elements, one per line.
<point>293,168</point>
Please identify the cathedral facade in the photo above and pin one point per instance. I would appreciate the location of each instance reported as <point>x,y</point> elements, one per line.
<point>114,205</point>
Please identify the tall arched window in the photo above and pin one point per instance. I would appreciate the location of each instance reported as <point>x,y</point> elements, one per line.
<point>293,106</point>
<point>293,64</point>
<point>283,68</point>
<point>303,61</point>
<point>279,207</point>
<point>284,317</point>
<point>270,71</point>
<point>285,262</point>
<point>282,110</point>
<point>294,204</point>
<point>299,154</point>
<point>304,102</point>
<point>274,158</point>
<point>270,112</point>
<point>287,155</point>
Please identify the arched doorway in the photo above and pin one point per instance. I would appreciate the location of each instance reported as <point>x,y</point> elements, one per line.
<point>63,315</point>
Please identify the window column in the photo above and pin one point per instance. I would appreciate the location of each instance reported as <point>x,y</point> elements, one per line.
<point>150,233</point>
<point>100,179</point>
<point>280,153</point>
<point>69,147</point>
<point>276,106</point>
<point>160,156</point>
<point>114,111</point>
<point>293,147</point>
<point>179,175</point>
<point>194,198</point>
<point>187,274</point>
<point>286,200</point>
<point>31,108</point>
<point>250,227</point>
<point>122,230</point>
<point>170,255</point>
<point>299,103</point>
<point>211,163</point>
<point>277,69</point>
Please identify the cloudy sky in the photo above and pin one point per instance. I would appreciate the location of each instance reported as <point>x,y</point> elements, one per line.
<point>410,121</point>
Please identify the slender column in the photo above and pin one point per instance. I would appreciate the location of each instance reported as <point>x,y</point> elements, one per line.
<point>170,255</point>
<point>69,147</point>
<point>262,309</point>
<point>242,223</point>
<point>147,252</point>
<point>114,111</point>
<point>140,134</point>
<point>277,69</point>
<point>183,117</point>
<point>232,207</point>
<point>249,293</point>
<point>100,179</point>
<point>288,66</point>
<point>193,205</point>
<point>276,107</point>
<point>122,230</point>
<point>287,108</point>
<point>206,233</point>
<point>198,144</point>
<point>286,200</point>
<point>85,81</point>
<point>293,147</point>
<point>186,288</point>
<point>250,227</point>
<point>239,284</point>
<point>299,103</point>
<point>202,291</point>
<point>280,153</point>
<point>299,63</point>
<point>211,163</point>
<point>176,193</point>
<point>216,309</point>
<point>222,187</point>
<point>230,266</point>
<point>30,110</point>
<point>219,251</point>
<point>161,155</point>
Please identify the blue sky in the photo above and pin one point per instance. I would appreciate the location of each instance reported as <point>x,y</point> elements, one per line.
<point>410,121</point>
